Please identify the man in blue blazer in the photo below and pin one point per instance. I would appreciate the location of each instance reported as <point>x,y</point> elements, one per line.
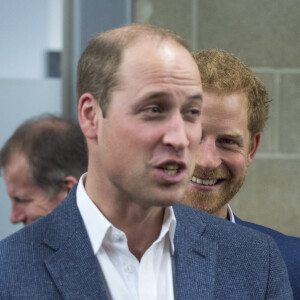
<point>213,259</point>
<point>116,236</point>
<point>234,113</point>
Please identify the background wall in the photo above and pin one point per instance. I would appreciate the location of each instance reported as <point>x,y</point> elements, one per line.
<point>28,29</point>
<point>265,34</point>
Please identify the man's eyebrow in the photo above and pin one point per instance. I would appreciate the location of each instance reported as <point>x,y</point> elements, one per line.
<point>163,94</point>
<point>22,200</point>
<point>150,98</point>
<point>196,97</point>
<point>236,136</point>
<point>160,95</point>
<point>155,95</point>
<point>231,134</point>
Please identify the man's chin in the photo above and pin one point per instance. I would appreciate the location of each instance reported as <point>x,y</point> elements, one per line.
<point>32,220</point>
<point>209,202</point>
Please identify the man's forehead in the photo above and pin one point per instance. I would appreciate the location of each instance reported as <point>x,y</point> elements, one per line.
<point>144,46</point>
<point>229,98</point>
<point>146,56</point>
<point>225,105</point>
<point>17,159</point>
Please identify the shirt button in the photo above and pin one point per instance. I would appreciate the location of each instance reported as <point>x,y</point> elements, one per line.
<point>129,268</point>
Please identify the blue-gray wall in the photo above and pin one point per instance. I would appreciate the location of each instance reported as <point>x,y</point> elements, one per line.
<point>28,29</point>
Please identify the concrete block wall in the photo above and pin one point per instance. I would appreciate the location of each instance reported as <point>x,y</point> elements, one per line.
<point>266,35</point>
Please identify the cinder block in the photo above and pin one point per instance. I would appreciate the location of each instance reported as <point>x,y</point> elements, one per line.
<point>269,141</point>
<point>171,14</point>
<point>264,33</point>
<point>270,195</point>
<point>289,113</point>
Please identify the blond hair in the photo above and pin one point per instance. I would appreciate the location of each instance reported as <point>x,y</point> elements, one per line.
<point>223,72</point>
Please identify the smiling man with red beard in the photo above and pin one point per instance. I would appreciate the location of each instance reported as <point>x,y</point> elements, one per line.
<point>226,150</point>
<point>234,112</point>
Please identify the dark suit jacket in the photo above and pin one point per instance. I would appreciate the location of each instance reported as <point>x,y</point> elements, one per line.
<point>289,247</point>
<point>214,259</point>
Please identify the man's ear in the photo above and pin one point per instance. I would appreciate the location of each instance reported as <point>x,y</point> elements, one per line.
<point>68,183</point>
<point>88,113</point>
<point>253,147</point>
<point>66,186</point>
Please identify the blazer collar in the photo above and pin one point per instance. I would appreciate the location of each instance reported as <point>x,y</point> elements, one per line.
<point>73,266</point>
<point>195,256</point>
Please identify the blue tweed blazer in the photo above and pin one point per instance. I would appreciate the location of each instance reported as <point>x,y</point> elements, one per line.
<point>289,247</point>
<point>214,259</point>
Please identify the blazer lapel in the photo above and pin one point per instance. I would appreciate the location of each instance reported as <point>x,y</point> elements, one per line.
<point>195,256</point>
<point>73,266</point>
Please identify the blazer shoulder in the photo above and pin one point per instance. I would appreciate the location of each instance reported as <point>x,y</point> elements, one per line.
<point>215,228</point>
<point>281,239</point>
<point>240,254</point>
<point>289,248</point>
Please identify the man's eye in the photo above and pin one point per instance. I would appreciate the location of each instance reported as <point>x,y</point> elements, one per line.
<point>227,141</point>
<point>155,109</point>
<point>195,112</point>
<point>192,115</point>
<point>152,109</point>
<point>19,200</point>
<point>152,112</point>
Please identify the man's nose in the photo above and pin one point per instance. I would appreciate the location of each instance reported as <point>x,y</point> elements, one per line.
<point>176,133</point>
<point>208,156</point>
<point>17,214</point>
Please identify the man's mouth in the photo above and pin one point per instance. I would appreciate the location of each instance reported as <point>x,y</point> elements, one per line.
<point>171,172</point>
<point>171,169</point>
<point>208,182</point>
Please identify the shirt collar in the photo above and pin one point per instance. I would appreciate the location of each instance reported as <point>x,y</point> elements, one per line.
<point>230,215</point>
<point>168,227</point>
<point>95,222</point>
<point>98,226</point>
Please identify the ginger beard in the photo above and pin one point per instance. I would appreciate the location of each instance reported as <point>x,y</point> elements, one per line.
<point>211,198</point>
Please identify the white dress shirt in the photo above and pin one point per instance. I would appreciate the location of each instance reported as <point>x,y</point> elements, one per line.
<point>125,277</point>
